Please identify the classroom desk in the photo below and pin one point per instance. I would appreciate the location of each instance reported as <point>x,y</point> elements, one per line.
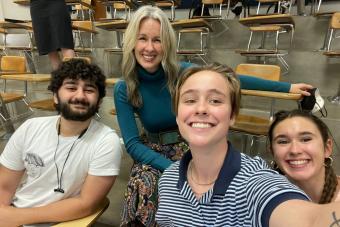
<point>27,78</point>
<point>11,25</point>
<point>191,23</point>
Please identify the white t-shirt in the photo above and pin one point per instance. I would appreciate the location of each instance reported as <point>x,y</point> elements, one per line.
<point>32,148</point>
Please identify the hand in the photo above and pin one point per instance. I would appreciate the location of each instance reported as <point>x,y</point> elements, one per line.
<point>8,217</point>
<point>300,88</point>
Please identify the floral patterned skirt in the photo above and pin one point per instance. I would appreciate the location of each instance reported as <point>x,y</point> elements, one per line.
<point>141,195</point>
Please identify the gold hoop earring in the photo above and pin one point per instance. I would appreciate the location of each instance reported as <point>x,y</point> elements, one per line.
<point>328,162</point>
<point>273,165</point>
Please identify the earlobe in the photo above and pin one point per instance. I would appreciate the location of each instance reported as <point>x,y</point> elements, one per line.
<point>232,120</point>
<point>328,148</point>
<point>55,99</point>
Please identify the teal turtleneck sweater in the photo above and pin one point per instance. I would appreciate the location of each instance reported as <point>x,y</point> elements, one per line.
<point>156,113</point>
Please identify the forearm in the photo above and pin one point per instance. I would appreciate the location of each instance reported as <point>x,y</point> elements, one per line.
<point>64,210</point>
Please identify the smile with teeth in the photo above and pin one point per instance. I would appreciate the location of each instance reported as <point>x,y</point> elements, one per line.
<point>149,57</point>
<point>201,125</point>
<point>298,162</point>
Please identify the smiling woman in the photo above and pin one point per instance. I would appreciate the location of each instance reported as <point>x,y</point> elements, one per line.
<point>302,147</point>
<point>215,185</point>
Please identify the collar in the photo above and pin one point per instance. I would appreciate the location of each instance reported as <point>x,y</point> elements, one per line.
<point>230,167</point>
<point>145,75</point>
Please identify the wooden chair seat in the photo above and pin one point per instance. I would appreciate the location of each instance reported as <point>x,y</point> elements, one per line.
<point>334,53</point>
<point>190,52</point>
<point>324,14</point>
<point>191,23</point>
<point>88,220</point>
<point>257,52</point>
<point>113,25</point>
<point>11,97</point>
<point>265,28</point>
<point>114,50</point>
<point>267,19</point>
<point>45,104</point>
<point>83,50</point>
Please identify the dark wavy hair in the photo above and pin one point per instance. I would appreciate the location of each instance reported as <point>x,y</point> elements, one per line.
<point>78,69</point>
<point>331,181</point>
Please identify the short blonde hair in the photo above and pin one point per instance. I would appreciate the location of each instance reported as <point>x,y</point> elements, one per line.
<point>223,70</point>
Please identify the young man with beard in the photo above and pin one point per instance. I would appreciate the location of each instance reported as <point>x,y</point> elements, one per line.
<point>60,168</point>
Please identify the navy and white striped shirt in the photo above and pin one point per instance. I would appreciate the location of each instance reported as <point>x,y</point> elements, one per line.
<point>245,194</point>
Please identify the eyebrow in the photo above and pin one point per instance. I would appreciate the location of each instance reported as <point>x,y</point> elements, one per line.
<point>209,91</point>
<point>74,82</point>
<point>304,133</point>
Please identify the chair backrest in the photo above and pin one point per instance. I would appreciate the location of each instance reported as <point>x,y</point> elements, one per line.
<point>13,63</point>
<point>268,72</point>
<point>335,21</point>
<point>87,59</point>
<point>210,2</point>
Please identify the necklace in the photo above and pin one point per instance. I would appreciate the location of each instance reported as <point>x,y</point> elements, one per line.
<point>193,180</point>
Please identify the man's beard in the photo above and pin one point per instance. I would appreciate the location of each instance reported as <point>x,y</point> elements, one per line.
<point>65,110</point>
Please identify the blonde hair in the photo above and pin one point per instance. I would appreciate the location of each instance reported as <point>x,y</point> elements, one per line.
<point>168,42</point>
<point>223,70</point>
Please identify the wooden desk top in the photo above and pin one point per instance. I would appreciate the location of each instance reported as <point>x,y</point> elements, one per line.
<point>43,78</point>
<point>111,2</point>
<point>27,77</point>
<point>267,19</point>
<point>113,25</point>
<point>85,26</point>
<point>68,2</point>
<point>272,94</point>
<point>190,23</point>
<point>8,25</point>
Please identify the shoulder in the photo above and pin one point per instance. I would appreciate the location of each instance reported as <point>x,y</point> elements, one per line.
<point>100,132</point>
<point>171,173</point>
<point>120,86</point>
<point>39,122</point>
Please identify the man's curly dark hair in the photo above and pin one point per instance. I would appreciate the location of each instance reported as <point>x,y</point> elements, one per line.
<point>78,69</point>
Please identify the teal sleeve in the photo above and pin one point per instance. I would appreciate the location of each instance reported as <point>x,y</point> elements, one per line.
<point>130,133</point>
<point>255,83</point>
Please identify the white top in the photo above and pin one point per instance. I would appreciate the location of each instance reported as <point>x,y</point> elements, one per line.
<point>32,148</point>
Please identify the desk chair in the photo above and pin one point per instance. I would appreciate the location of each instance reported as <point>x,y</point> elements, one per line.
<point>172,4</point>
<point>80,27</point>
<point>197,27</point>
<point>331,36</point>
<point>81,10</point>
<point>277,24</point>
<point>88,220</point>
<point>250,125</point>
<point>216,13</point>
<point>15,65</point>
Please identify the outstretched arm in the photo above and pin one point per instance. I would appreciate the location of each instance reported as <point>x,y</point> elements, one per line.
<point>305,214</point>
<point>94,190</point>
<point>255,83</point>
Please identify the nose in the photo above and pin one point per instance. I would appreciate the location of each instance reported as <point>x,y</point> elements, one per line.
<point>201,108</point>
<point>149,46</point>
<point>295,148</point>
<point>80,94</point>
